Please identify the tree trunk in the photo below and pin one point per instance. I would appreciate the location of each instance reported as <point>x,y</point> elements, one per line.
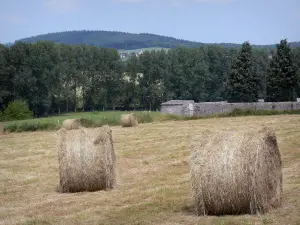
<point>75,100</point>
<point>82,99</point>
<point>67,105</point>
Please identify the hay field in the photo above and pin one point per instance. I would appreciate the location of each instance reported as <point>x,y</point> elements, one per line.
<point>152,171</point>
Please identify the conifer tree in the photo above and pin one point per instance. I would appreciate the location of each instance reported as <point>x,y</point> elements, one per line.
<point>281,79</point>
<point>242,82</point>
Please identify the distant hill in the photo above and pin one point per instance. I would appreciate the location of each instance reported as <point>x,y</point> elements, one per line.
<point>124,41</point>
<point>112,39</point>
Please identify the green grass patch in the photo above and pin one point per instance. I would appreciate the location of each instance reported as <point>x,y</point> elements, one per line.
<point>112,118</point>
<point>88,119</point>
<point>233,113</point>
<point>29,126</point>
<point>248,112</point>
<point>238,113</point>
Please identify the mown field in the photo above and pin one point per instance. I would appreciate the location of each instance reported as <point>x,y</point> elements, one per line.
<point>152,171</point>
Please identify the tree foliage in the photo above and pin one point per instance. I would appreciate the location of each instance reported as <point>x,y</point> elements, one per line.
<point>282,78</point>
<point>16,110</point>
<point>242,81</point>
<point>56,78</point>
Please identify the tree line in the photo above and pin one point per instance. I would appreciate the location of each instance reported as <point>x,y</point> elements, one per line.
<point>54,78</point>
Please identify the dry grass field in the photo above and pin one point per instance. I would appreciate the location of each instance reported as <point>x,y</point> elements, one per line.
<point>153,177</point>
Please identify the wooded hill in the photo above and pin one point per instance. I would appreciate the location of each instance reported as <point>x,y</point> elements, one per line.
<point>126,41</point>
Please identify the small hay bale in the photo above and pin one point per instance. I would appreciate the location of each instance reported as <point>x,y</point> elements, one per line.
<point>1,128</point>
<point>86,159</point>
<point>236,172</point>
<point>71,124</point>
<point>129,120</point>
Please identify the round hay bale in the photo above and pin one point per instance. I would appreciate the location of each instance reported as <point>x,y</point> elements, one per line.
<point>86,159</point>
<point>1,128</point>
<point>71,124</point>
<point>236,172</point>
<point>129,120</point>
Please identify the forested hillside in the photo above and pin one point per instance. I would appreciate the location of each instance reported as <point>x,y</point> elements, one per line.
<point>111,39</point>
<point>122,40</point>
<point>54,78</point>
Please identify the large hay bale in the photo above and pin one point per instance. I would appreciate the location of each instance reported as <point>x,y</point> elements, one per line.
<point>86,159</point>
<point>129,120</point>
<point>236,172</point>
<point>1,128</point>
<point>71,124</point>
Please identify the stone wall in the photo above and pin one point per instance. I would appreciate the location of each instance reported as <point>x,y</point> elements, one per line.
<point>178,107</point>
<point>189,108</point>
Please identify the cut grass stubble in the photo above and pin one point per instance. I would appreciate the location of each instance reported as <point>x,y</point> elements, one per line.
<point>153,185</point>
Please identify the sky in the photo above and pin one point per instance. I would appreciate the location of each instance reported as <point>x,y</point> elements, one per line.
<point>207,21</point>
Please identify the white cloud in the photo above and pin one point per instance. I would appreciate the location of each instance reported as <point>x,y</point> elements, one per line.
<point>62,6</point>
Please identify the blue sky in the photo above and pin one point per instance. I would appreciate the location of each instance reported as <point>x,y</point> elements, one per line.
<point>209,21</point>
